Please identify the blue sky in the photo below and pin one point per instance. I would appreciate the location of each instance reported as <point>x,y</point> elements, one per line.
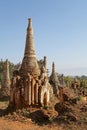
<point>60,32</point>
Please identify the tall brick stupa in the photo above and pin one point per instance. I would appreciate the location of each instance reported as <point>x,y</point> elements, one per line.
<point>29,63</point>
<point>30,84</point>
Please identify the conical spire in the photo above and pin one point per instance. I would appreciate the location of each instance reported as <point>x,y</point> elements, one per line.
<point>45,62</point>
<point>29,63</point>
<point>29,48</point>
<point>53,68</point>
<point>54,80</point>
<point>6,74</point>
<point>53,76</point>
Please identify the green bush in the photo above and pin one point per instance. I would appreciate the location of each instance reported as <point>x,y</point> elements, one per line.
<point>25,112</point>
<point>45,107</point>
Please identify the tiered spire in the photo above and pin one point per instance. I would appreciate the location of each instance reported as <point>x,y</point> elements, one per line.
<point>29,63</point>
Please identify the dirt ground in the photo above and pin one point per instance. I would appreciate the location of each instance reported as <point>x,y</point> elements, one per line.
<point>9,122</point>
<point>9,125</point>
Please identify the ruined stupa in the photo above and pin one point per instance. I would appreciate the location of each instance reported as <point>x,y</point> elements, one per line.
<point>54,80</point>
<point>6,75</point>
<point>5,85</point>
<point>30,85</point>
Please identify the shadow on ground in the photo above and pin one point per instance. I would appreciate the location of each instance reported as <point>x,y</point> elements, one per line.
<point>4,98</point>
<point>39,117</point>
